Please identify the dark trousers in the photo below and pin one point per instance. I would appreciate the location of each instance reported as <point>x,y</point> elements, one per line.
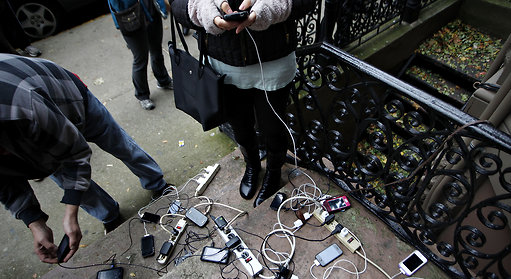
<point>245,107</point>
<point>12,36</point>
<point>142,43</point>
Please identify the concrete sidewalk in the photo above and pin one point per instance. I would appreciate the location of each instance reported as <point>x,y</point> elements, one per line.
<point>97,52</point>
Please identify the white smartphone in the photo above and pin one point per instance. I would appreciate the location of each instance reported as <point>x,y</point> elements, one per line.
<point>412,263</point>
<point>329,254</point>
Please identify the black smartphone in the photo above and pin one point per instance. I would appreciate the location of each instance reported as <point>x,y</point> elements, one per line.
<point>150,217</point>
<point>147,246</point>
<point>236,16</point>
<point>63,249</point>
<point>215,255</point>
<point>112,273</point>
<point>277,201</point>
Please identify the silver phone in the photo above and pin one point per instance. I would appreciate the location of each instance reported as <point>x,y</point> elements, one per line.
<point>329,254</point>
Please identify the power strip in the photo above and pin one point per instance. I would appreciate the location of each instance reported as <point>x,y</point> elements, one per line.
<point>206,178</point>
<point>345,236</point>
<point>242,252</point>
<point>169,245</point>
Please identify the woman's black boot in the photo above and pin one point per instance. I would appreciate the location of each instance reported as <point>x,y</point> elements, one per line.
<point>248,185</point>
<point>271,180</point>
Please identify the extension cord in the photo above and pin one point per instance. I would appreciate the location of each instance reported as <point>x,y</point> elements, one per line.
<point>345,236</point>
<point>243,253</point>
<point>169,245</point>
<point>206,178</point>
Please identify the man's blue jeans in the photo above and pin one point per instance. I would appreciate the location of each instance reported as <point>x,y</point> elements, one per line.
<point>101,129</point>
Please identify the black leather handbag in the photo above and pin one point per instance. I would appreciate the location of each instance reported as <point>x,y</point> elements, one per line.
<point>197,86</point>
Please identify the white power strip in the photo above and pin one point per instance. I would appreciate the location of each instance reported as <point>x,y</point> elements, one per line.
<point>206,178</point>
<point>242,252</point>
<point>169,245</point>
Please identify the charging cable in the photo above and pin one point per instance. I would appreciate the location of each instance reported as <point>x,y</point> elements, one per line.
<point>268,100</point>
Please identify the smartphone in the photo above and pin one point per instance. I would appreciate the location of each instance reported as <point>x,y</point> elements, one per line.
<point>63,249</point>
<point>412,263</point>
<point>215,255</point>
<point>236,16</point>
<point>196,217</point>
<point>150,217</point>
<point>147,245</point>
<point>112,273</point>
<point>277,201</point>
<point>336,204</point>
<point>329,254</point>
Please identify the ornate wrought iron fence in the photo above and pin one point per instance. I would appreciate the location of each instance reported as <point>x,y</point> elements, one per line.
<point>357,21</point>
<point>411,159</point>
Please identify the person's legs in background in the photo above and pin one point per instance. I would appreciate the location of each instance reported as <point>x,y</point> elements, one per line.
<point>154,37</point>
<point>139,46</point>
<point>14,33</point>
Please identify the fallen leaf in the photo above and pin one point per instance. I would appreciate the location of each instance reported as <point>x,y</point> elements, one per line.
<point>99,81</point>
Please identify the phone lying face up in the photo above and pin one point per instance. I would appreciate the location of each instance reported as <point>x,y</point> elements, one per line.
<point>412,263</point>
<point>215,255</point>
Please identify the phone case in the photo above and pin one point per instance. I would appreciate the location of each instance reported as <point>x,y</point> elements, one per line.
<point>112,273</point>
<point>147,246</point>
<point>196,217</point>
<point>63,249</point>
<point>150,217</point>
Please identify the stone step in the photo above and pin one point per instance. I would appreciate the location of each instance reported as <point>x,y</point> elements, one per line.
<point>123,244</point>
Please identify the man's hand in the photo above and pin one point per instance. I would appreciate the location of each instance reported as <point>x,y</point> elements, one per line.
<point>72,229</point>
<point>43,241</point>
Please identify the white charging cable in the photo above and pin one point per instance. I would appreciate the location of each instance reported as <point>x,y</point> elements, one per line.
<point>268,100</point>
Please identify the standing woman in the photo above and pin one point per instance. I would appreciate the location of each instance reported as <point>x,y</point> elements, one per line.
<point>144,40</point>
<point>236,49</point>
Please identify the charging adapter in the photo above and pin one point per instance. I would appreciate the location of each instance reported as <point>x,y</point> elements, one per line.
<point>349,240</point>
<point>233,242</point>
<point>298,223</point>
<point>328,219</point>
<point>283,273</point>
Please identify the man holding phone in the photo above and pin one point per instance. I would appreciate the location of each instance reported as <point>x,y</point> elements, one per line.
<point>47,117</point>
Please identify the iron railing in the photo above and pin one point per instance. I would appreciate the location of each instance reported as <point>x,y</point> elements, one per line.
<point>350,23</point>
<point>411,159</point>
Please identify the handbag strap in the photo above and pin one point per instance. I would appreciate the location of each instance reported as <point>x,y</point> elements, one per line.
<point>174,25</point>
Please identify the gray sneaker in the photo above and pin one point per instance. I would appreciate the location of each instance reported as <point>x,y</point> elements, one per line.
<point>147,104</point>
<point>32,51</point>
